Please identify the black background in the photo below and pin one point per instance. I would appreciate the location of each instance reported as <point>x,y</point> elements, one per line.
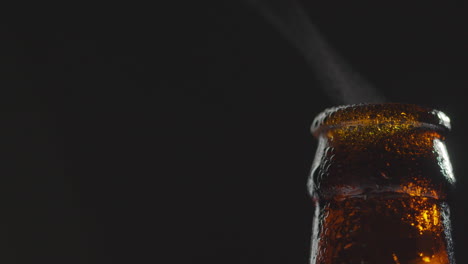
<point>130,129</point>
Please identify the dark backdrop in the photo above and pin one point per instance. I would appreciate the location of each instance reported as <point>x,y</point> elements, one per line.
<point>128,130</point>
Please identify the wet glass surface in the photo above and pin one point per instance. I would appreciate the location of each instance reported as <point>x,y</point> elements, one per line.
<point>380,182</point>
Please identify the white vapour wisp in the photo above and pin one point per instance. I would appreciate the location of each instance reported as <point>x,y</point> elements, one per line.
<point>338,80</point>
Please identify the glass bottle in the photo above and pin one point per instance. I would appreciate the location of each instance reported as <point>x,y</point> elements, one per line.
<point>380,182</point>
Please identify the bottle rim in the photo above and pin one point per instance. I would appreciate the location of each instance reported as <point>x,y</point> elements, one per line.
<point>380,113</point>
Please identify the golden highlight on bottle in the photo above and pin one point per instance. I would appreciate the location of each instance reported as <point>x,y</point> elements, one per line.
<point>380,181</point>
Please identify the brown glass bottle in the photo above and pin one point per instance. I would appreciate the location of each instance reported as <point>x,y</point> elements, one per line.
<point>379,182</point>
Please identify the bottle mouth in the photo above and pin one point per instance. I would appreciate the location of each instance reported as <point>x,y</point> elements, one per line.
<point>382,116</point>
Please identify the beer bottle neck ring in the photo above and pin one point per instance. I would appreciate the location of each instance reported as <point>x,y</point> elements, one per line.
<point>394,114</point>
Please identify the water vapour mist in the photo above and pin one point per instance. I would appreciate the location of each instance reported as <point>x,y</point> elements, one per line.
<point>337,79</point>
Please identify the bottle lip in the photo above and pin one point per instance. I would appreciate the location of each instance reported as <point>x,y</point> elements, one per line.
<point>380,113</point>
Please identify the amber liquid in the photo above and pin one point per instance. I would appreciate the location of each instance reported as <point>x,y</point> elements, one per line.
<point>380,181</point>
<point>384,228</point>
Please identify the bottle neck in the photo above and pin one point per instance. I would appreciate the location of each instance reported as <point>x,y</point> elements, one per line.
<point>414,162</point>
<point>379,182</point>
